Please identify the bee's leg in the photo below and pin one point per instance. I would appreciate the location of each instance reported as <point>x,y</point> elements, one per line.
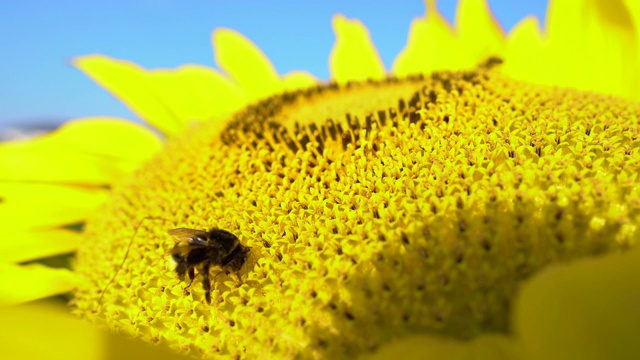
<point>206,283</point>
<point>192,275</point>
<point>239,276</point>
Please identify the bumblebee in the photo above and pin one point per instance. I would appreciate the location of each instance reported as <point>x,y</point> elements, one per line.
<point>204,249</point>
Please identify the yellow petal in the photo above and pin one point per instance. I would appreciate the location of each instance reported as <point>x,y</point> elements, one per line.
<point>98,135</point>
<point>431,46</point>
<point>197,93</point>
<point>297,80</point>
<point>49,164</point>
<point>22,283</point>
<point>81,151</point>
<point>523,54</point>
<point>23,246</point>
<point>353,57</point>
<point>487,347</point>
<point>597,50</point>
<point>585,310</point>
<point>28,206</point>
<point>45,331</point>
<point>614,48</point>
<point>246,64</point>
<point>479,33</point>
<point>131,84</point>
<point>167,99</point>
<point>634,11</point>
<point>633,7</point>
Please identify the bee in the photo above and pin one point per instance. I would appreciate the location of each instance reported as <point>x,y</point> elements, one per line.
<point>204,249</point>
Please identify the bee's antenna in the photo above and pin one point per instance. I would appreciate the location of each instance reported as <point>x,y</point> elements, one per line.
<point>126,255</point>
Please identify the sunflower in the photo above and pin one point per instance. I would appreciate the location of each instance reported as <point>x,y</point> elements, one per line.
<point>462,206</point>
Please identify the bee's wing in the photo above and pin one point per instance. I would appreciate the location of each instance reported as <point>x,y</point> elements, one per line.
<point>185,233</point>
<point>189,237</point>
<point>186,240</point>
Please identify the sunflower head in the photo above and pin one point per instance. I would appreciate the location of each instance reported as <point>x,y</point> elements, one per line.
<point>443,216</point>
<point>374,210</point>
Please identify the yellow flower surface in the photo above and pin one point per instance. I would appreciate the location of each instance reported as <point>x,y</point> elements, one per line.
<point>451,214</point>
<point>422,209</point>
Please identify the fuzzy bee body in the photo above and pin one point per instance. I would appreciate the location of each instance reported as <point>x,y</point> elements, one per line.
<point>199,249</point>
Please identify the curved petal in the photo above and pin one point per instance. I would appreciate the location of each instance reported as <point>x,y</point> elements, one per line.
<point>246,64</point>
<point>297,80</point>
<point>524,60</point>
<point>605,34</point>
<point>46,331</point>
<point>32,245</point>
<point>197,93</point>
<point>131,84</point>
<point>634,10</point>
<point>354,56</point>
<point>32,331</point>
<point>487,347</point>
<point>29,206</point>
<point>479,33</point>
<point>81,151</point>
<point>615,49</point>
<point>166,99</point>
<point>584,310</point>
<point>99,135</point>
<point>565,44</point>
<point>431,46</point>
<point>22,283</point>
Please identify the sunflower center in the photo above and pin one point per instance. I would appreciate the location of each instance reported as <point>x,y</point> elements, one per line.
<point>373,211</point>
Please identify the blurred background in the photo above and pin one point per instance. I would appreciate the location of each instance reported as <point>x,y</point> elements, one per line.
<point>40,89</point>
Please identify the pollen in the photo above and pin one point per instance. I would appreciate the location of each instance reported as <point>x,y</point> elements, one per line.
<point>374,211</point>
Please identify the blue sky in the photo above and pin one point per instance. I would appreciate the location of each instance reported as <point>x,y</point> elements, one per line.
<point>39,37</point>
